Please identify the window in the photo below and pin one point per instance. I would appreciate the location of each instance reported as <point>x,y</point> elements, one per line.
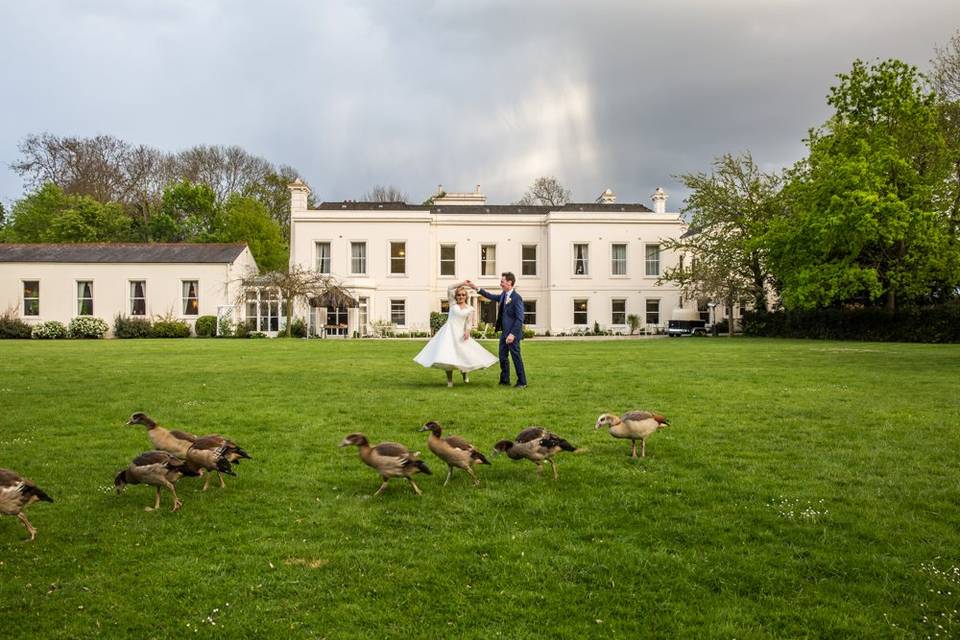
<point>618,259</point>
<point>323,257</point>
<point>364,314</point>
<point>579,312</point>
<point>530,312</point>
<point>580,266</point>
<point>488,260</point>
<point>653,259</point>
<point>31,297</point>
<point>398,258</point>
<point>337,323</point>
<point>448,259</point>
<point>528,260</point>
<point>398,312</point>
<point>445,306</point>
<point>138,297</point>
<point>358,258</point>
<point>84,297</point>
<point>191,301</point>
<point>263,310</point>
<point>618,311</point>
<point>653,312</point>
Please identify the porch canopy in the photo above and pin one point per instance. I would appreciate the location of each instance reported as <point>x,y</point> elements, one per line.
<point>334,296</point>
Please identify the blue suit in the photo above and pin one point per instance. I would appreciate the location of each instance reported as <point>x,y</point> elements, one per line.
<point>509,322</point>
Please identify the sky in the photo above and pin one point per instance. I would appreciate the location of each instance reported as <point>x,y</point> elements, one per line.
<point>625,94</point>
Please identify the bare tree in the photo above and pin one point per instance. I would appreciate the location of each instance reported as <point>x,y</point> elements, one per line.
<point>946,69</point>
<point>385,193</point>
<point>546,191</point>
<point>945,77</point>
<point>297,285</point>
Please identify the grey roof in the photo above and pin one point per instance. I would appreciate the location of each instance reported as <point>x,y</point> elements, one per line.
<point>114,252</point>
<point>500,209</point>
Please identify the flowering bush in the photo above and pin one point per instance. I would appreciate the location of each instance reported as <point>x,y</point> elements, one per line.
<point>49,330</point>
<point>87,327</point>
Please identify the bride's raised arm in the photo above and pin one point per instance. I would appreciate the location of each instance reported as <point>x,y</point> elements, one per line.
<point>452,290</point>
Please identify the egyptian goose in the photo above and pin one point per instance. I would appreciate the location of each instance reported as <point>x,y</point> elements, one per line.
<point>633,426</point>
<point>391,460</point>
<point>535,444</point>
<point>157,469</point>
<point>453,450</point>
<point>171,441</point>
<point>16,494</point>
<point>215,453</point>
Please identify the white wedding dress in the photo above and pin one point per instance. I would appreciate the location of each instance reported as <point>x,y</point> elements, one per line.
<point>448,350</point>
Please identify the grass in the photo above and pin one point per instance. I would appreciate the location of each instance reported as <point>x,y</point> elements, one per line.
<point>804,489</point>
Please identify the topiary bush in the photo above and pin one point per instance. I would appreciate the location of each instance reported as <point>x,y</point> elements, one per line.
<point>124,327</point>
<point>437,320</point>
<point>49,330</point>
<point>87,328</point>
<point>298,328</point>
<point>206,326</point>
<point>12,327</point>
<point>170,328</point>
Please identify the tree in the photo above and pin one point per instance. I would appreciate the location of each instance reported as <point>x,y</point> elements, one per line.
<point>247,220</point>
<point>945,78</point>
<point>187,212</point>
<point>864,221</point>
<point>296,284</point>
<point>384,193</point>
<point>50,215</point>
<point>731,212</point>
<point>546,191</point>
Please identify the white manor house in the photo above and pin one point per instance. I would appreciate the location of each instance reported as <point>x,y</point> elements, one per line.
<point>576,264</point>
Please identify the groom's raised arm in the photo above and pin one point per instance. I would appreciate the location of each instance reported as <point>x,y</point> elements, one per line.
<point>489,296</point>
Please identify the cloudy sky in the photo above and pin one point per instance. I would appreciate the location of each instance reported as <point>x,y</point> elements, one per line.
<point>623,94</point>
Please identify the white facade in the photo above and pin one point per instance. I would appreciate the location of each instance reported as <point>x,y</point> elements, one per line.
<point>103,282</point>
<point>585,263</point>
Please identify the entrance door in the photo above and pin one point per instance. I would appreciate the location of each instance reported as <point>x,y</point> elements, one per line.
<point>336,321</point>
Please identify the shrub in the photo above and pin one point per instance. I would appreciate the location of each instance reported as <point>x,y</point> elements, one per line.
<point>124,327</point>
<point>437,320</point>
<point>205,326</point>
<point>49,330</point>
<point>256,334</point>
<point>170,328</point>
<point>634,321</point>
<point>87,327</point>
<point>528,333</point>
<point>225,327</point>
<point>12,327</point>
<point>298,328</point>
<point>242,330</point>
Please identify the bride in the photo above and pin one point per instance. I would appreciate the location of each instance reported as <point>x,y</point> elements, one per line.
<point>452,347</point>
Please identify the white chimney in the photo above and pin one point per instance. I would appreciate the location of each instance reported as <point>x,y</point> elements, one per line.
<point>298,196</point>
<point>607,197</point>
<point>659,201</point>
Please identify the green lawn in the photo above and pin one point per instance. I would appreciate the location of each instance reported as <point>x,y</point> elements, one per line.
<point>804,489</point>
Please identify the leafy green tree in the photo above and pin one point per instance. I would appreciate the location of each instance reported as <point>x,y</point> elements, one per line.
<point>188,213</point>
<point>864,220</point>
<point>50,215</point>
<point>247,220</point>
<point>731,211</point>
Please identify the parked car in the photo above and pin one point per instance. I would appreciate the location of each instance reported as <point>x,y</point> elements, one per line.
<point>686,322</point>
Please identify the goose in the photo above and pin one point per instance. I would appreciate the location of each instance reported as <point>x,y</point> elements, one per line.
<point>171,441</point>
<point>157,469</point>
<point>633,426</point>
<point>454,450</point>
<point>16,494</point>
<point>535,444</point>
<point>215,453</point>
<point>391,460</point>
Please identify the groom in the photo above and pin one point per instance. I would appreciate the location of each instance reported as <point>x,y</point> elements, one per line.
<point>510,325</point>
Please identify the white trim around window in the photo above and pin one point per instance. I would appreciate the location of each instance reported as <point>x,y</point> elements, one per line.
<point>323,263</point>
<point>137,297</point>
<point>398,309</point>
<point>450,261</point>
<point>85,293</point>
<point>30,298</point>
<point>360,256</point>
<point>619,262</point>
<point>190,297</point>
<point>618,312</point>
<point>580,265</point>
<point>488,258</point>
<point>529,267</point>
<point>651,255</point>
<point>399,260</point>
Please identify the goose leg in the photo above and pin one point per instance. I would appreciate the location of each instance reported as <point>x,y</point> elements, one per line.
<point>413,484</point>
<point>176,501</point>
<point>539,470</point>
<point>643,448</point>
<point>382,487</point>
<point>449,474</point>
<point>554,465</point>
<point>206,481</point>
<point>222,485</point>
<point>23,518</point>
<point>156,503</point>
<point>476,480</point>
<point>633,451</point>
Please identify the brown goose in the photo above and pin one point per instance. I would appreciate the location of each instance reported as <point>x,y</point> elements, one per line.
<point>215,453</point>
<point>535,444</point>
<point>391,460</point>
<point>157,469</point>
<point>16,494</point>
<point>453,450</point>
<point>171,441</point>
<point>633,426</point>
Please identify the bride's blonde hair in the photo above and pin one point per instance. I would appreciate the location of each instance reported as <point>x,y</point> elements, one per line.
<point>459,289</point>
